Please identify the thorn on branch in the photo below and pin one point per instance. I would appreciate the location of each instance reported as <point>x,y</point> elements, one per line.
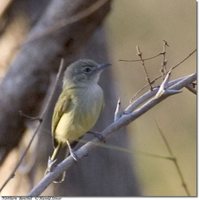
<point>163,86</point>
<point>118,112</point>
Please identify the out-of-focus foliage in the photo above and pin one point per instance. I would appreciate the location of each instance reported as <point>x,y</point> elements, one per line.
<point>146,23</point>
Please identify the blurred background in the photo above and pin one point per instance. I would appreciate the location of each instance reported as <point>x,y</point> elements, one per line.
<point>145,23</point>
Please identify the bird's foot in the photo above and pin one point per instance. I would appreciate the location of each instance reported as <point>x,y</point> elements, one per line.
<point>74,156</point>
<point>62,178</point>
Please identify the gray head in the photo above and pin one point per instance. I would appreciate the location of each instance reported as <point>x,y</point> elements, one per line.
<point>83,71</point>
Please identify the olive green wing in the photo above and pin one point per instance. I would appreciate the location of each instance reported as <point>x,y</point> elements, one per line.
<point>62,106</point>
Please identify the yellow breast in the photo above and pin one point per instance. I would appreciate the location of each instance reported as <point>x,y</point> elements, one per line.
<point>87,106</point>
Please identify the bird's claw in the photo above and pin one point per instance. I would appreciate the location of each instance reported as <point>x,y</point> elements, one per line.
<point>74,156</point>
<point>62,178</point>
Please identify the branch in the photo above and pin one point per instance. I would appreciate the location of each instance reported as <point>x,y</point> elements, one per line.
<point>64,22</point>
<point>121,122</point>
<point>40,119</point>
<point>25,84</point>
<point>139,101</point>
<point>138,60</point>
<point>158,77</point>
<point>164,60</point>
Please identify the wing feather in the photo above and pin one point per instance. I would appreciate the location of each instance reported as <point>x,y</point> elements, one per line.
<point>62,106</point>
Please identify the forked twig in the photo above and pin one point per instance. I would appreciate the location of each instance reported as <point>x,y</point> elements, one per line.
<point>40,119</point>
<point>174,160</point>
<point>121,122</point>
<point>160,76</point>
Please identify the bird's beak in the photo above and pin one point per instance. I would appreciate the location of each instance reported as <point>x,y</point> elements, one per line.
<point>103,66</point>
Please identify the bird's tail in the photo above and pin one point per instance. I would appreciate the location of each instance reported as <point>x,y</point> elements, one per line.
<point>55,152</point>
<point>61,178</point>
<point>53,158</point>
<point>51,163</point>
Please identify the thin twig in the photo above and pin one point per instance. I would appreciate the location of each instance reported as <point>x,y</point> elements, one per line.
<point>174,159</point>
<point>138,60</point>
<point>160,76</point>
<point>149,58</point>
<point>139,53</point>
<point>125,150</point>
<point>26,166</point>
<point>164,60</point>
<point>12,174</point>
<point>189,55</point>
<point>123,121</point>
<point>30,117</point>
<point>139,101</point>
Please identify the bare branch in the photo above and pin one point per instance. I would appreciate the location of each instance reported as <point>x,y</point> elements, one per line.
<point>164,60</point>
<point>138,60</point>
<point>64,22</point>
<point>41,118</point>
<point>158,77</point>
<point>30,71</point>
<point>139,101</point>
<point>123,121</point>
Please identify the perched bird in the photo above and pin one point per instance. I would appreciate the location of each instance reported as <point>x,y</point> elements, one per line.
<point>78,107</point>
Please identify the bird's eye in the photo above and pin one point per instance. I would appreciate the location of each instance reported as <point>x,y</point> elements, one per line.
<point>87,69</point>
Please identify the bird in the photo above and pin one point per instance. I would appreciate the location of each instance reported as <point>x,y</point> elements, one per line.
<point>78,107</point>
